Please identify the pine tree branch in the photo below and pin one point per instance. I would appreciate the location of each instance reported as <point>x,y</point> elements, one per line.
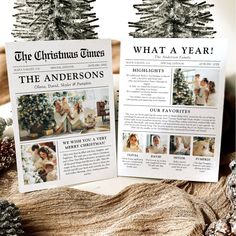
<point>168,18</point>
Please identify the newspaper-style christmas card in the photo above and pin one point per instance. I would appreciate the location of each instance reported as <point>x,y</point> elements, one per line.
<point>63,112</point>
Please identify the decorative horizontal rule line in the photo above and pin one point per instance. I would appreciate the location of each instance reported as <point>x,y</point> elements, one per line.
<point>182,66</point>
<point>168,60</point>
<point>173,106</point>
<point>90,68</point>
<point>62,64</point>
<point>165,132</point>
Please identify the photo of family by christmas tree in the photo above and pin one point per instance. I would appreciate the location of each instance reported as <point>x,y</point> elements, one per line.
<point>39,163</point>
<point>195,87</point>
<point>62,113</point>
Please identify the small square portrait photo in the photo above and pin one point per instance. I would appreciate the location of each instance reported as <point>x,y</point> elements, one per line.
<point>156,144</point>
<point>180,145</point>
<point>132,142</point>
<point>203,146</point>
<point>39,162</point>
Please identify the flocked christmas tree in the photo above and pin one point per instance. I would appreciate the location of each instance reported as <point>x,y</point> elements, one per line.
<point>173,19</point>
<point>54,20</point>
<point>35,113</point>
<point>182,95</point>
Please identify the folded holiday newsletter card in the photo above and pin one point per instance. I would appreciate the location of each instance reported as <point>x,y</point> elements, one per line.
<point>63,113</point>
<point>171,108</point>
